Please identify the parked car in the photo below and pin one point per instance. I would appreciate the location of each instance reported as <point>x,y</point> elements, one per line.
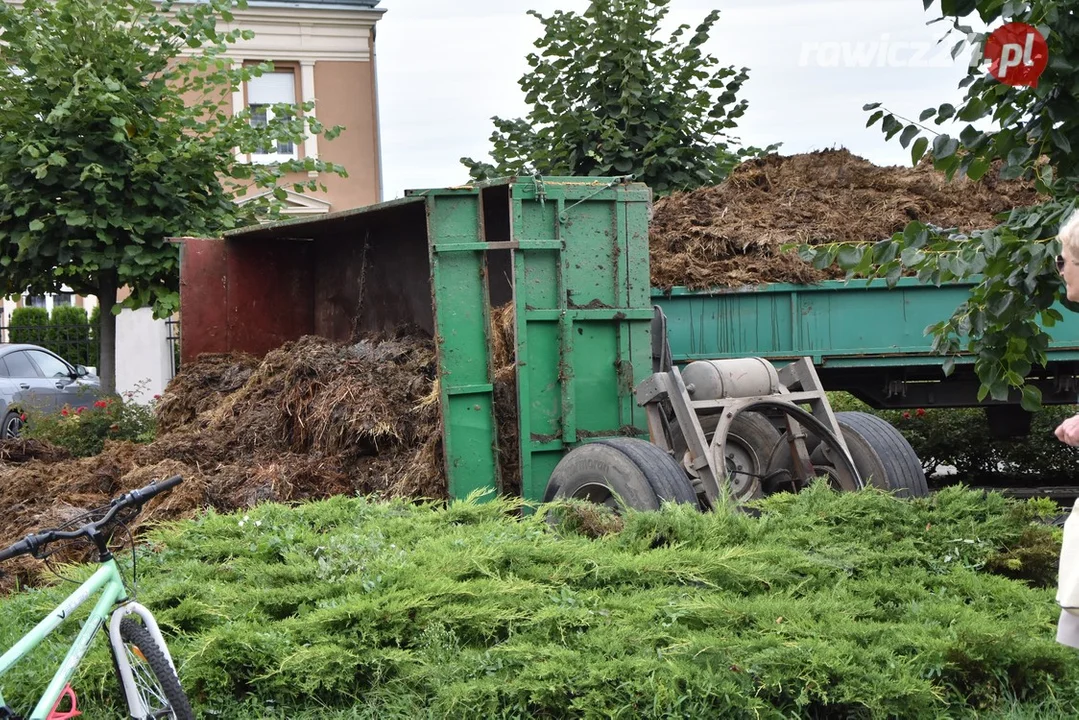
<point>33,378</point>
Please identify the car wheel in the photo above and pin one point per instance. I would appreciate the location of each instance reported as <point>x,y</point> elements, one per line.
<point>12,425</point>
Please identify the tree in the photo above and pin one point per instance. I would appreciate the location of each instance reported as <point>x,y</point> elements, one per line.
<point>609,97</point>
<point>115,135</point>
<point>1020,132</point>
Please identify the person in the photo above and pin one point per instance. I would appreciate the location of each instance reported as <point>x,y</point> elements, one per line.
<point>1068,432</point>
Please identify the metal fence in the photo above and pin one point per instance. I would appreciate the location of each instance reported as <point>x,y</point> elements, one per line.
<point>75,343</point>
<point>172,326</point>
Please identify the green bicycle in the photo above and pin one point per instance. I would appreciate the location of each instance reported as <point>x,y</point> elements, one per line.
<point>142,662</point>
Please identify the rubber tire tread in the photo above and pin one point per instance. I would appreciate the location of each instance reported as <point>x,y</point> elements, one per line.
<point>581,466</point>
<point>667,478</point>
<point>136,634</point>
<point>901,464</point>
<point>3,427</point>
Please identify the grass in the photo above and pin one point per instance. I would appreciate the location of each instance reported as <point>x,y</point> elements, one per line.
<point>829,605</point>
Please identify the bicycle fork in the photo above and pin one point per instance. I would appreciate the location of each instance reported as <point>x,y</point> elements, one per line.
<point>135,704</point>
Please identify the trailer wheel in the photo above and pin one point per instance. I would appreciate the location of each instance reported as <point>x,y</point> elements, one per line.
<point>620,471</point>
<point>882,455</point>
<point>750,442</point>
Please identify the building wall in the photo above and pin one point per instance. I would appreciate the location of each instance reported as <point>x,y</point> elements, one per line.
<point>332,53</point>
<point>143,355</point>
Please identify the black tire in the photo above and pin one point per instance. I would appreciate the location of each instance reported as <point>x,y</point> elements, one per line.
<point>637,472</point>
<point>166,696</point>
<point>882,455</point>
<point>12,426</point>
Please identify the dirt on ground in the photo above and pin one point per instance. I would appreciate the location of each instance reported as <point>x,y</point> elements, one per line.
<point>313,419</point>
<point>731,234</point>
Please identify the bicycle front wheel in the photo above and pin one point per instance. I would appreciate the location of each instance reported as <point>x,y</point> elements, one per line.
<point>155,680</point>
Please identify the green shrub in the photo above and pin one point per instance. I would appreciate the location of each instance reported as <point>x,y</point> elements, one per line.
<point>830,605</point>
<point>83,429</point>
<point>29,325</point>
<point>69,334</point>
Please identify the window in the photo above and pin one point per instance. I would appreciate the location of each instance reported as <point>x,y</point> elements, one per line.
<point>3,369</point>
<point>62,298</point>
<point>51,367</point>
<point>263,92</point>
<point>35,301</point>
<point>19,366</point>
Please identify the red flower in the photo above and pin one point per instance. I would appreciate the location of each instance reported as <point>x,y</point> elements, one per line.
<point>78,410</point>
<point>906,416</point>
<point>157,397</point>
<point>23,417</point>
<point>64,412</point>
<point>100,404</point>
<point>919,412</point>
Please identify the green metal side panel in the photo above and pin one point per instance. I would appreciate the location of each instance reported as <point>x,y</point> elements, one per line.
<point>580,287</point>
<point>583,312</point>
<point>462,329</point>
<point>837,324</point>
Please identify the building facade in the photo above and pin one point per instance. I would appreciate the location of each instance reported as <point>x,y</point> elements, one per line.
<point>322,51</point>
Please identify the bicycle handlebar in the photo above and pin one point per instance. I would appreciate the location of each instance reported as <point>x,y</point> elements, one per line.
<point>136,498</point>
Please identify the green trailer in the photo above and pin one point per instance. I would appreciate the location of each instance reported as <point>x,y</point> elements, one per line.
<point>863,338</point>
<point>593,406</point>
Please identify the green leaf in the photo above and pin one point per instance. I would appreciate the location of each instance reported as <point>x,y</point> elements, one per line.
<point>973,110</point>
<point>911,256</point>
<point>76,218</point>
<point>958,8</point>
<point>920,146</point>
<point>944,147</point>
<point>849,256</point>
<point>890,126</point>
<point>998,390</point>
<point>909,132</point>
<point>1032,398</point>
<point>978,168</point>
<point>893,276</point>
<point>1061,141</point>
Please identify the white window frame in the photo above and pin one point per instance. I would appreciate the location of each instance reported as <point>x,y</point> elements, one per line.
<point>273,157</point>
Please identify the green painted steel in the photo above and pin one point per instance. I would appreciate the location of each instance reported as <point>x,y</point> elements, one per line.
<point>583,314</point>
<point>837,324</point>
<point>462,337</point>
<point>577,273</point>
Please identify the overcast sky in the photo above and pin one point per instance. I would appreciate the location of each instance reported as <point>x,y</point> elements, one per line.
<point>445,67</point>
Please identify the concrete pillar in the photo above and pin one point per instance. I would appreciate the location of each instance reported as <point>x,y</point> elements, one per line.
<point>143,354</point>
<point>307,90</point>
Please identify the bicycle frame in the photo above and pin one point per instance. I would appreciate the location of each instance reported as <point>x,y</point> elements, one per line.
<point>108,582</point>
